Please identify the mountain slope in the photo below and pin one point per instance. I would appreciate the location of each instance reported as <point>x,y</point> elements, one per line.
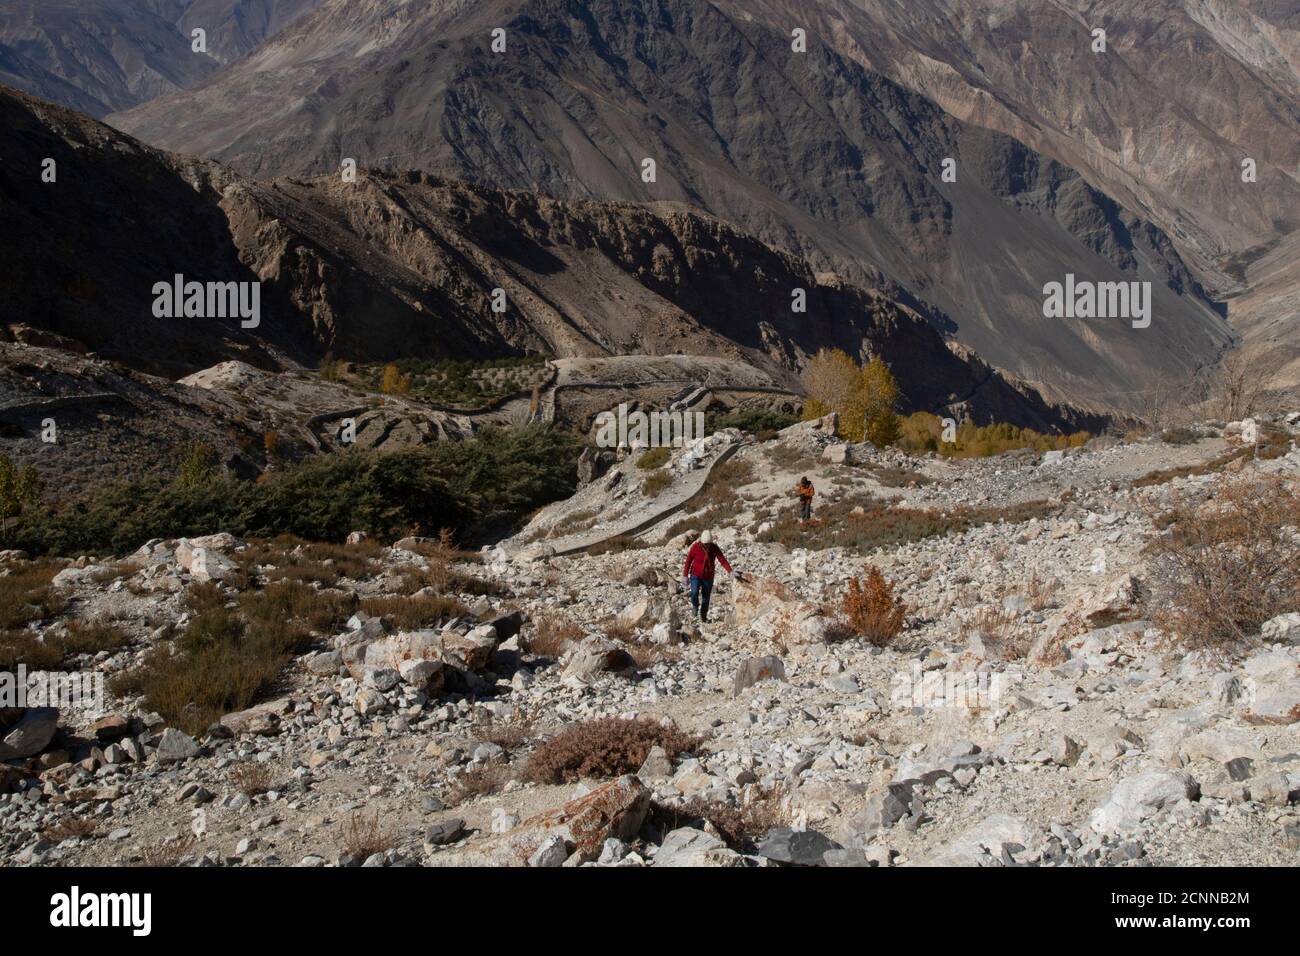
<point>406,264</point>
<point>1161,121</point>
<point>98,56</point>
<point>810,152</point>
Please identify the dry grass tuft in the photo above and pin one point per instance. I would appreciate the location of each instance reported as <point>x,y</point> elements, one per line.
<point>168,853</point>
<point>763,809</point>
<point>477,782</point>
<point>251,778</point>
<point>415,612</point>
<point>1040,592</point>
<point>364,836</point>
<point>230,657</point>
<point>1003,635</point>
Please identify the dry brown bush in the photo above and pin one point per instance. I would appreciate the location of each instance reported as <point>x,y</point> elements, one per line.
<point>26,595</point>
<point>66,829</point>
<point>865,523</point>
<point>616,544</point>
<point>91,637</point>
<point>606,747</point>
<point>507,736</point>
<point>617,630</point>
<point>552,635</point>
<point>647,655</point>
<point>1223,568</point>
<point>871,609</point>
<point>439,555</point>
<point>719,490</point>
<point>656,483</point>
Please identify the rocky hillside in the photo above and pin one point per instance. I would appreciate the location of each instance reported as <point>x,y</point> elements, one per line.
<point>404,265</point>
<point>99,56</point>
<point>810,152</point>
<point>1036,701</point>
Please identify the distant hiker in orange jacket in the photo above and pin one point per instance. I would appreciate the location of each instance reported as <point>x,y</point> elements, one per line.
<point>805,491</point>
<point>698,571</point>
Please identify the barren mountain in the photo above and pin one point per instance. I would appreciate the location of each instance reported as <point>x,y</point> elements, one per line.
<point>1162,120</point>
<point>405,265</point>
<point>810,152</point>
<point>103,55</point>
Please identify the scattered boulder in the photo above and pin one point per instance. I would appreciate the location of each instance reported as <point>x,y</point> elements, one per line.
<point>796,847</point>
<point>110,728</point>
<point>757,669</point>
<point>596,655</point>
<point>30,733</point>
<point>997,840</point>
<point>687,846</point>
<point>1138,798</point>
<point>838,454</point>
<point>175,746</point>
<point>772,611</point>
<point>613,810</point>
<point>1273,687</point>
<point>473,649</point>
<point>1283,629</point>
<point>884,808</point>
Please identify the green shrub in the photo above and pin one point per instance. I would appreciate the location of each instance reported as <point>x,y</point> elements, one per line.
<point>654,458</point>
<point>494,478</point>
<point>761,423</point>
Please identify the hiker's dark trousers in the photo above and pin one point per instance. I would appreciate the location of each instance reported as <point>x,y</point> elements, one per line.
<point>700,591</point>
<point>805,509</point>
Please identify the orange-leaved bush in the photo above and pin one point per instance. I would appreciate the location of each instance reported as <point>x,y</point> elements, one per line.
<point>871,608</point>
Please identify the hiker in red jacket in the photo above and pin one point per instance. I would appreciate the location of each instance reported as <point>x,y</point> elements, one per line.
<point>698,571</point>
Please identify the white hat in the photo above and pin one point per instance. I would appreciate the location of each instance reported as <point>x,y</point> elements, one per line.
<point>706,537</point>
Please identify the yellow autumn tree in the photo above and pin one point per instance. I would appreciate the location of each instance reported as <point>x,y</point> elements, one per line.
<point>865,398</point>
<point>879,400</point>
<point>394,382</point>
<point>832,380</point>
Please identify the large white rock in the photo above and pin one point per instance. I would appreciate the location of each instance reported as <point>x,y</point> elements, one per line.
<point>1273,687</point>
<point>982,844</point>
<point>1139,798</point>
<point>1283,629</point>
<point>208,565</point>
<point>687,846</point>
